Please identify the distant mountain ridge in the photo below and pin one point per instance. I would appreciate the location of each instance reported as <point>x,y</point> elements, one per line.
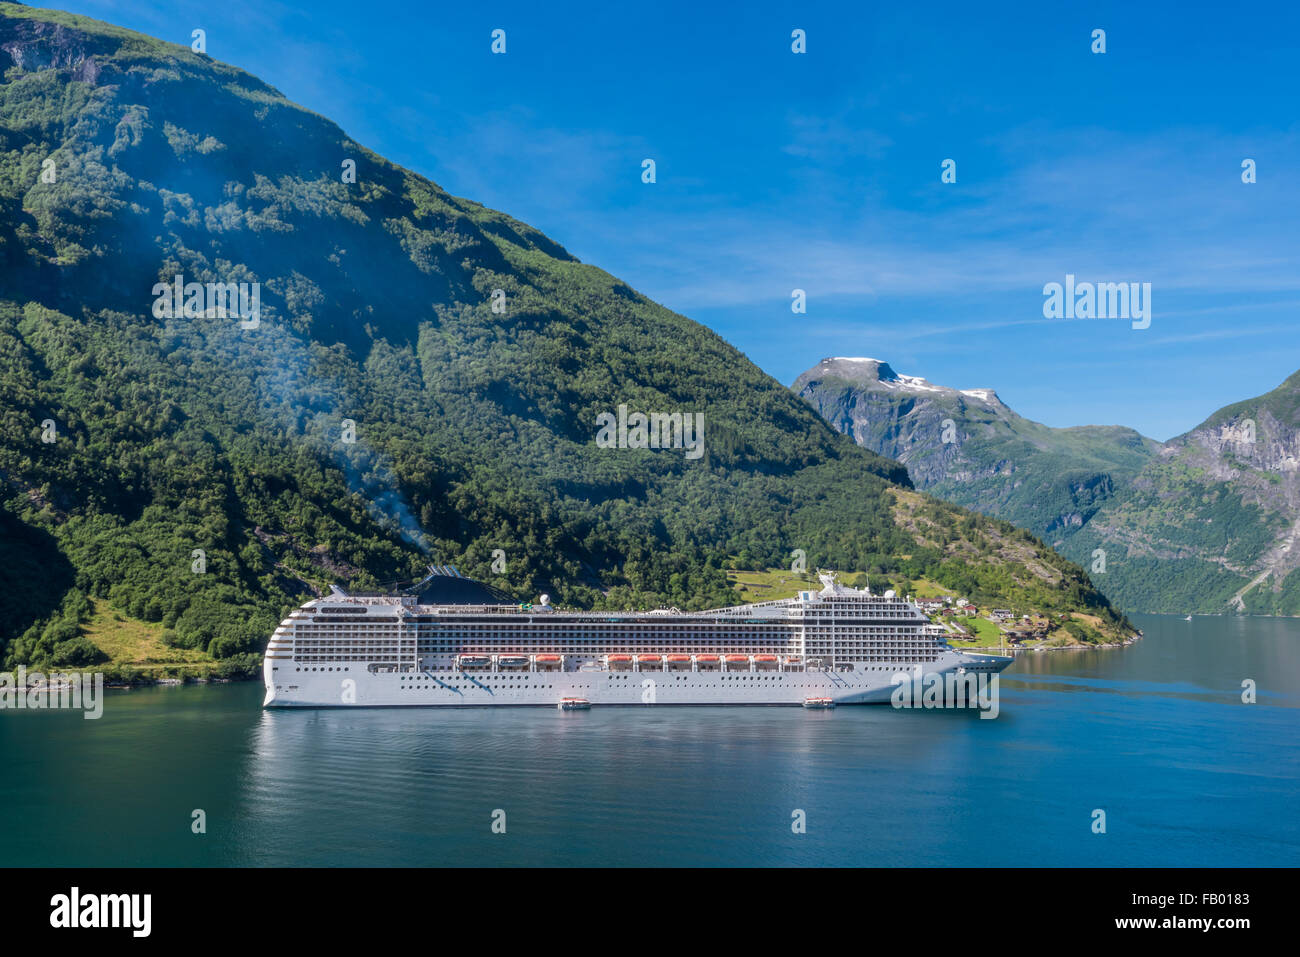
<point>1208,522</point>
<point>967,446</point>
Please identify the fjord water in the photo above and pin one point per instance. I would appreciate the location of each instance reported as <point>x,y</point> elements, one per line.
<point>1156,735</point>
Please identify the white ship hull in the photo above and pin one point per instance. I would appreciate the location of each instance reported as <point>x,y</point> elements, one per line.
<point>363,688</point>
<point>456,646</point>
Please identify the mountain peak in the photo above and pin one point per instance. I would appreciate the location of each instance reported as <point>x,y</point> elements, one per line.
<point>868,372</point>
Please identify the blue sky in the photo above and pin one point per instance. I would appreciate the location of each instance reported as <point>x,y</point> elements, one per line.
<point>821,171</point>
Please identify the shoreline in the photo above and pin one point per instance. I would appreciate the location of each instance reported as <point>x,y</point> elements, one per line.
<point>173,682</point>
<point>1085,647</point>
<point>119,685</point>
<point>1081,646</point>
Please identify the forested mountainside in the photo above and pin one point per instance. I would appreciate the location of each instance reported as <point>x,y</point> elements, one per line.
<point>422,381</point>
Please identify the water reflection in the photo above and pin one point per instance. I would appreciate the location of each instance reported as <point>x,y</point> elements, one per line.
<point>1155,733</point>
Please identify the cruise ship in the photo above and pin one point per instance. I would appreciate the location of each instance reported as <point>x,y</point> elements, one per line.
<point>453,642</point>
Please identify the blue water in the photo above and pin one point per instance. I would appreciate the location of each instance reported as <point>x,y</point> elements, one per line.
<point>1156,735</point>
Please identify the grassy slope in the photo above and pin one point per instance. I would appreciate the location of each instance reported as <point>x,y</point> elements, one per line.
<point>137,647</point>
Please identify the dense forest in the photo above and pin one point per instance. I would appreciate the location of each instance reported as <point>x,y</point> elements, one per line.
<point>423,385</point>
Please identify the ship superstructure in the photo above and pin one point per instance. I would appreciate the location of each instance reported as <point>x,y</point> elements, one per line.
<point>452,641</point>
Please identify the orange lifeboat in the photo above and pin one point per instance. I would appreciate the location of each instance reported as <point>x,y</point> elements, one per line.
<point>708,658</point>
<point>765,657</point>
<point>679,659</point>
<point>620,658</point>
<point>736,659</point>
<point>548,659</point>
<point>649,659</point>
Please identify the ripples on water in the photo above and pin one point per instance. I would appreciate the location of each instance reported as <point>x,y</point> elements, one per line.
<point>1154,734</point>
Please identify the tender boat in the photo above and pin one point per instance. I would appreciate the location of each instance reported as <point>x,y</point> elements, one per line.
<point>819,703</point>
<point>574,704</point>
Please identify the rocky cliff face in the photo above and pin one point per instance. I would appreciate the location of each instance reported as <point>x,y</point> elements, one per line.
<point>37,45</point>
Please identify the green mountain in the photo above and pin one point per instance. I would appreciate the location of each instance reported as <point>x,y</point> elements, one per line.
<point>966,446</point>
<point>1212,523</point>
<point>422,379</point>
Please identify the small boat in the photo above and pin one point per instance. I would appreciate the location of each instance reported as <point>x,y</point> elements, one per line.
<point>574,704</point>
<point>707,659</point>
<point>548,659</point>
<point>620,658</point>
<point>649,659</point>
<point>512,661</point>
<point>737,659</point>
<point>1188,618</point>
<point>818,703</point>
<point>679,659</point>
<point>473,661</point>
